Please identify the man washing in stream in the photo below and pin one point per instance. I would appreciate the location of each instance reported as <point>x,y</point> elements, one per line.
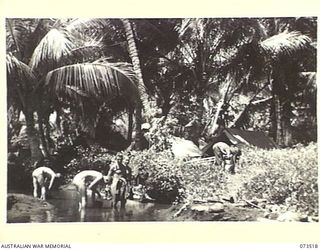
<point>40,178</point>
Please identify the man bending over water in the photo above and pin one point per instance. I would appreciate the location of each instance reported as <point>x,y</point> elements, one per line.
<point>40,177</point>
<point>91,178</point>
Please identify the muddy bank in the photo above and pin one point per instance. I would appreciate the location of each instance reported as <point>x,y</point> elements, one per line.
<point>213,212</point>
<point>25,208</point>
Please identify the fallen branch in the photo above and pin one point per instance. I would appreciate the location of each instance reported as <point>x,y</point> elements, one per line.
<point>254,205</point>
<point>184,207</point>
<point>200,160</point>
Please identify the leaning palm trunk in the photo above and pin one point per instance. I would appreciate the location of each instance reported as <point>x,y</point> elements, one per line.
<point>143,105</point>
<point>221,103</point>
<point>133,53</point>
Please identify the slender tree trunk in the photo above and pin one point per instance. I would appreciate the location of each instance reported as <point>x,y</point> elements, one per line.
<point>133,53</point>
<point>286,125</point>
<point>138,118</point>
<point>49,140</point>
<point>143,104</point>
<point>43,142</point>
<point>221,103</point>
<point>130,124</point>
<point>273,119</point>
<point>33,139</point>
<point>278,114</point>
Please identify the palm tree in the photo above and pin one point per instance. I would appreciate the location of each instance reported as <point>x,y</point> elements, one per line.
<point>62,63</point>
<point>232,56</point>
<point>143,104</point>
<point>281,49</point>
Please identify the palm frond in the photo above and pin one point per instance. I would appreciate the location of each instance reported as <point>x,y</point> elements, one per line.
<point>51,49</point>
<point>285,43</point>
<point>14,33</point>
<point>18,70</point>
<point>86,23</point>
<point>98,80</point>
<point>87,49</point>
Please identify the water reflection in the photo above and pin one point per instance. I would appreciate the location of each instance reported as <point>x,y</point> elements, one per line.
<point>66,210</point>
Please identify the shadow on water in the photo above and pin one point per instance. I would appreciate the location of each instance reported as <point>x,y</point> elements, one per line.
<point>65,209</point>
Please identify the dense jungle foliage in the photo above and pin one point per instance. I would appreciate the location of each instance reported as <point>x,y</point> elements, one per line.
<point>81,90</point>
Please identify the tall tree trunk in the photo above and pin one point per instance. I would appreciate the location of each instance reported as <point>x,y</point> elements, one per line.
<point>130,124</point>
<point>273,119</point>
<point>286,125</point>
<point>215,126</point>
<point>133,53</point>
<point>144,104</point>
<point>138,119</point>
<point>33,139</point>
<point>43,142</point>
<point>49,140</point>
<point>278,114</point>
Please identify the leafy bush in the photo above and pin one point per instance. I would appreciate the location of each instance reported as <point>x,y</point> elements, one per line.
<point>281,176</point>
<point>164,183</point>
<point>203,180</point>
<point>286,177</point>
<point>96,158</point>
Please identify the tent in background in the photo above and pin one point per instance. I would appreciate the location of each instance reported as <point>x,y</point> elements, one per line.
<point>242,137</point>
<point>183,148</point>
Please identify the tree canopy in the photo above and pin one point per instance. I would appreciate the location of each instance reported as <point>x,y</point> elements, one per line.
<point>249,73</point>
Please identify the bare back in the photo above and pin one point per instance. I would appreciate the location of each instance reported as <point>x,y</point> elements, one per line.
<point>42,173</point>
<point>86,175</point>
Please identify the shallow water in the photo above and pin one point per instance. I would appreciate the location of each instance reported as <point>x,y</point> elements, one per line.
<point>66,210</point>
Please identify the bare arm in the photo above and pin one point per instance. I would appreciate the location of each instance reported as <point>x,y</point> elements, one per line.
<point>51,181</point>
<point>52,176</point>
<point>110,172</point>
<point>95,181</point>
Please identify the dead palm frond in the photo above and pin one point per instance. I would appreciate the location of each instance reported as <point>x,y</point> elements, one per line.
<point>285,43</point>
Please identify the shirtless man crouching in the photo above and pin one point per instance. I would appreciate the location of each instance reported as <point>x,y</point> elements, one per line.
<point>40,177</point>
<point>82,179</point>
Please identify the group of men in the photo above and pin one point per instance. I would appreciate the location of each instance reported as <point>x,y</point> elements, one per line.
<point>87,180</point>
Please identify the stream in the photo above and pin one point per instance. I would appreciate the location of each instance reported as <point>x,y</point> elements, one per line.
<point>65,209</point>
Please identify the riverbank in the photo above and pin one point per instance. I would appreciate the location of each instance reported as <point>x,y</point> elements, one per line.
<point>24,208</point>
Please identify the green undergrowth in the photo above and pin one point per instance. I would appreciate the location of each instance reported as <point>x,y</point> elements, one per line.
<point>287,177</point>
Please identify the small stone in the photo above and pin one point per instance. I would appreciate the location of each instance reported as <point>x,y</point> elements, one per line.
<point>289,217</point>
<point>264,220</point>
<point>216,208</point>
<point>266,215</point>
<point>200,208</point>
